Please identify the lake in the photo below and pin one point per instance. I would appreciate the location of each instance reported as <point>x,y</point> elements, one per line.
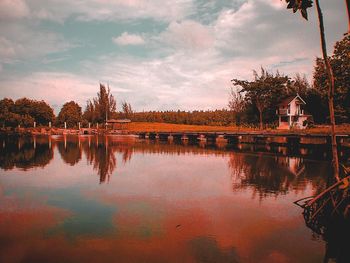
<point>116,199</point>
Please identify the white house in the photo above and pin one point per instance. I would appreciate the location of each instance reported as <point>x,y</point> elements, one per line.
<point>291,113</point>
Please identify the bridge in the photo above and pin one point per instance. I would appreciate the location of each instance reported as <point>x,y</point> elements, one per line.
<point>289,139</point>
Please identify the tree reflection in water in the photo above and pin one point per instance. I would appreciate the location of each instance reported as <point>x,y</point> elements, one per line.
<point>101,155</point>
<point>70,149</point>
<point>25,153</point>
<point>38,151</point>
<point>100,152</point>
<point>266,174</point>
<point>275,175</point>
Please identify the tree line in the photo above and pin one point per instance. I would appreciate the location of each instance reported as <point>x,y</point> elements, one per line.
<point>25,112</point>
<point>250,102</point>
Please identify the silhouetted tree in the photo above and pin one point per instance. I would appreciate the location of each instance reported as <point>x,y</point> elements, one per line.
<point>89,113</point>
<point>6,115</point>
<point>6,105</point>
<point>264,91</point>
<point>40,111</point>
<point>70,113</point>
<point>104,104</point>
<point>237,105</point>
<point>299,85</point>
<point>340,62</point>
<point>127,110</point>
<point>25,111</point>
<point>299,5</point>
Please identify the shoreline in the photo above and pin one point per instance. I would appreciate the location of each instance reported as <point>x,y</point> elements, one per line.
<point>290,138</point>
<point>141,128</point>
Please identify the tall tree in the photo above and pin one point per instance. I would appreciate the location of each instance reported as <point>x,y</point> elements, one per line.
<point>347,2</point>
<point>127,110</point>
<point>6,106</point>
<point>340,62</point>
<point>104,104</point>
<point>89,112</point>
<point>299,85</point>
<point>264,91</point>
<point>237,105</point>
<point>70,113</point>
<point>302,6</point>
<point>42,112</point>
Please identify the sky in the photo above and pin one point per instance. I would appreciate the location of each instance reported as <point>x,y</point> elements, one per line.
<point>154,54</point>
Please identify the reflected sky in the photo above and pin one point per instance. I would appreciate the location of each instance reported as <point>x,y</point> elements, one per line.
<point>98,199</point>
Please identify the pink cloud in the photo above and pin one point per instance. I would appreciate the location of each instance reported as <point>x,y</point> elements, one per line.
<point>128,39</point>
<point>188,35</point>
<point>13,9</point>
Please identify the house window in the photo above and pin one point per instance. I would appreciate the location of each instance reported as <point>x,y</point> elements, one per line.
<point>295,118</point>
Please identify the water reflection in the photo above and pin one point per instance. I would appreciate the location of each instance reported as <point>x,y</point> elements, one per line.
<point>162,202</point>
<point>102,157</point>
<point>25,153</point>
<point>70,149</point>
<point>266,174</point>
<point>206,249</point>
<point>276,174</point>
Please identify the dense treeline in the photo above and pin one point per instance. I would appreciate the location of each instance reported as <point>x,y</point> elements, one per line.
<point>251,102</point>
<point>25,112</point>
<point>215,117</point>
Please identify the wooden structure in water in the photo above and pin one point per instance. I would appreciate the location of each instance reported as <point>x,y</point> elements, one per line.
<point>333,202</point>
<point>259,138</point>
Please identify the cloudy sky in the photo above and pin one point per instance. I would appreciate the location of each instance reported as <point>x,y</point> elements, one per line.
<point>155,54</point>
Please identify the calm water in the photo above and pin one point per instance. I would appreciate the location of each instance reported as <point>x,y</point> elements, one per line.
<point>89,199</point>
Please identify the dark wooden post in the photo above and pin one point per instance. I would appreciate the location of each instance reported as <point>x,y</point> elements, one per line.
<point>330,91</point>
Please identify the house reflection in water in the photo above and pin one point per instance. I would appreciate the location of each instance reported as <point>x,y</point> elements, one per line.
<point>274,175</point>
<point>294,165</point>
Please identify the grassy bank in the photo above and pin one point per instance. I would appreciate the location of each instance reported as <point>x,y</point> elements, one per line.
<point>167,127</point>
<point>135,127</point>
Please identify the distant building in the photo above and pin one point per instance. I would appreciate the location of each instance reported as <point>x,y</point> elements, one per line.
<point>291,113</point>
